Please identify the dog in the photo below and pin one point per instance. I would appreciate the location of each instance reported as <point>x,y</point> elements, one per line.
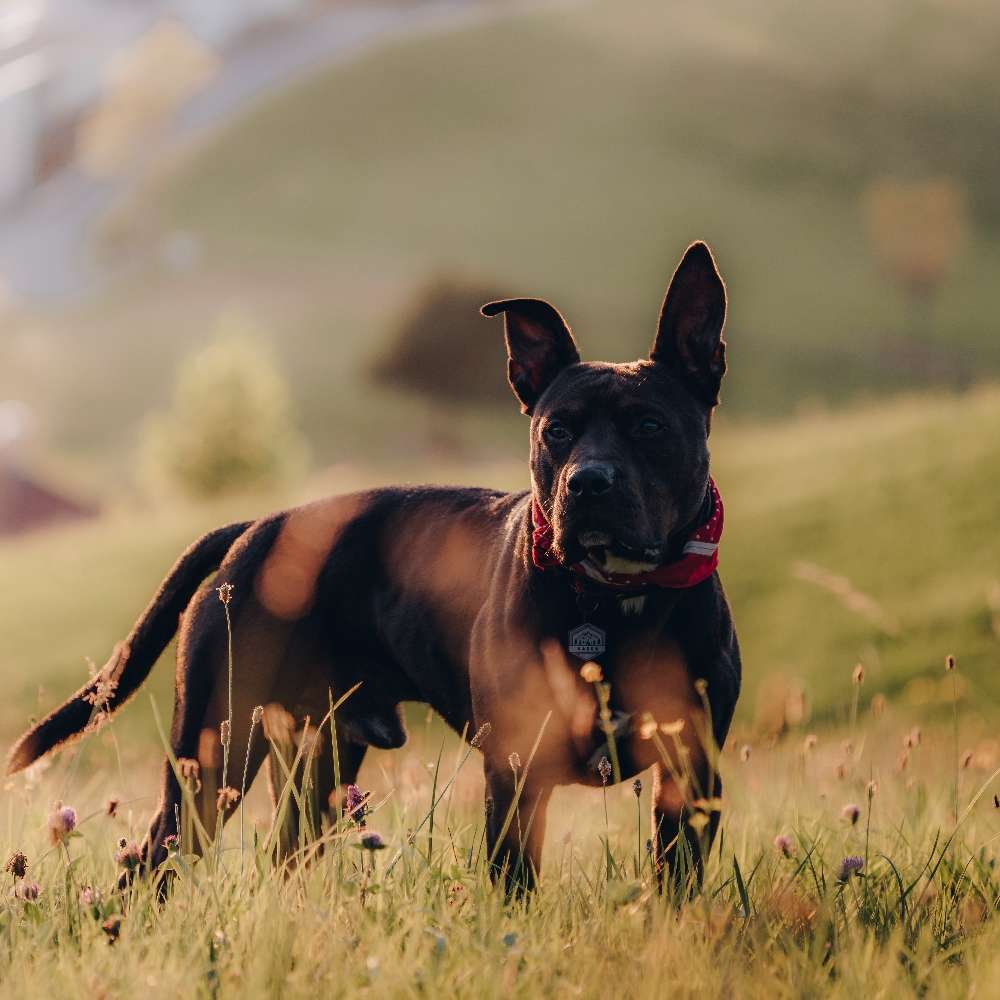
<point>582,623</point>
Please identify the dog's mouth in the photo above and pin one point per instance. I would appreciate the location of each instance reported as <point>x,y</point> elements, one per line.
<point>616,555</point>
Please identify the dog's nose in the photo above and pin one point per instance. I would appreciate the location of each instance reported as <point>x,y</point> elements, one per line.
<point>593,479</point>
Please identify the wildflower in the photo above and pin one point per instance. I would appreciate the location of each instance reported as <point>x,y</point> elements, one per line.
<point>871,789</point>
<point>457,894</point>
<point>591,672</point>
<point>809,743</point>
<point>850,812</point>
<point>189,770</point>
<point>90,898</point>
<point>112,928</point>
<point>637,787</point>
<point>355,804</point>
<point>172,844</point>
<point>226,799</point>
<point>745,752</point>
<point>111,809</point>
<point>514,760</point>
<point>128,855</point>
<point>102,692</point>
<point>372,841</point>
<point>28,891</point>
<point>949,663</point>
<point>784,844</point>
<point>851,865</point>
<point>17,864</point>
<point>225,593</point>
<point>858,677</point>
<point>62,822</point>
<point>604,769</point>
<point>481,733</point>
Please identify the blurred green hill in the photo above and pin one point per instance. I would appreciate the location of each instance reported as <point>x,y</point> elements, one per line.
<point>570,151</point>
<point>866,536</point>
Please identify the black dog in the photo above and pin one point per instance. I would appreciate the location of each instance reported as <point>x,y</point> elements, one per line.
<point>482,604</point>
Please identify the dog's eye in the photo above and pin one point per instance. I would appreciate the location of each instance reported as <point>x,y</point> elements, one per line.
<point>556,431</point>
<point>647,427</point>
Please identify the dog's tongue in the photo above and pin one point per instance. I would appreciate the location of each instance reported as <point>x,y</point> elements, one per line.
<point>613,563</point>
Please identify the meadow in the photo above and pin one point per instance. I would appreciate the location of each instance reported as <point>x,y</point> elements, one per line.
<point>840,549</point>
<point>569,150</point>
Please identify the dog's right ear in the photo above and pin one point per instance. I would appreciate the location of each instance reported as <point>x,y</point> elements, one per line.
<point>539,346</point>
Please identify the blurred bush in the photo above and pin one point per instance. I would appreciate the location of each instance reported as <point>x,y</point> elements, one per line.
<point>230,426</point>
<point>917,231</point>
<point>443,350</point>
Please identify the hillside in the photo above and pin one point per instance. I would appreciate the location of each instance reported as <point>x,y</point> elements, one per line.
<point>570,151</point>
<point>900,500</point>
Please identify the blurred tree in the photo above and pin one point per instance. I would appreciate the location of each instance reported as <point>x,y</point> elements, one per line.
<point>917,231</point>
<point>230,426</point>
<point>443,350</point>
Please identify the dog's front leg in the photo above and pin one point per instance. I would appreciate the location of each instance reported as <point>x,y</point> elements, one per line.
<point>683,832</point>
<point>515,827</point>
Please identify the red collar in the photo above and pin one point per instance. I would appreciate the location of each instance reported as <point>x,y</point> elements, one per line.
<point>698,560</point>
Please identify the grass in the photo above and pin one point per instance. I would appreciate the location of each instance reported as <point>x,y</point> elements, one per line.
<point>773,918</point>
<point>569,151</point>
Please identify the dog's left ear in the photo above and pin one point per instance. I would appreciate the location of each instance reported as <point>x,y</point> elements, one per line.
<point>689,339</point>
<point>539,346</point>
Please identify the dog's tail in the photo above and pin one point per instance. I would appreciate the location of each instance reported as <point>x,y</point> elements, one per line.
<point>132,660</point>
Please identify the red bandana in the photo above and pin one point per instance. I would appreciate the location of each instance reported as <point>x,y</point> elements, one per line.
<point>697,562</point>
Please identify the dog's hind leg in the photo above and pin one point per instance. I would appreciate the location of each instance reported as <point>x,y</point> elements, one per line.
<point>204,695</point>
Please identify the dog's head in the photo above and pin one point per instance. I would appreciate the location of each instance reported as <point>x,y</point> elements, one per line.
<point>619,452</point>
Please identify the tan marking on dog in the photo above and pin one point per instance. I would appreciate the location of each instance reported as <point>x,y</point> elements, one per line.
<point>209,748</point>
<point>442,556</point>
<point>286,583</point>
